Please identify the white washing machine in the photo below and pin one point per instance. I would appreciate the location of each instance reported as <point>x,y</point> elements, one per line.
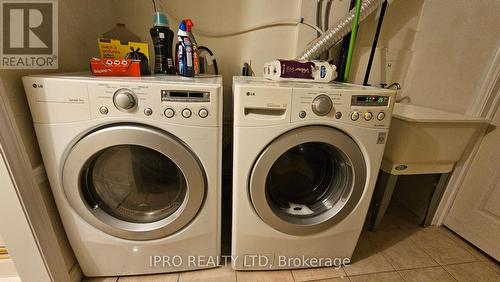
<point>306,158</point>
<point>134,165</point>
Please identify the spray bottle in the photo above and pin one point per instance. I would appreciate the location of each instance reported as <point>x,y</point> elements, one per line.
<point>162,41</point>
<point>184,57</point>
<point>196,63</point>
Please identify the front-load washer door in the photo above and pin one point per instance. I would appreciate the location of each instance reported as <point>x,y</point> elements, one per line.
<point>307,180</point>
<point>134,182</point>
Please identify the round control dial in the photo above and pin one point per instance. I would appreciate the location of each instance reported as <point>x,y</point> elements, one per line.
<point>381,116</point>
<point>186,113</point>
<point>203,113</point>
<point>125,99</point>
<point>148,111</point>
<point>103,110</point>
<point>354,116</point>
<point>169,112</point>
<point>322,105</point>
<point>368,116</point>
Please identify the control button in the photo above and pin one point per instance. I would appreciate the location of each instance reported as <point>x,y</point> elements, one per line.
<point>148,111</point>
<point>103,110</point>
<point>338,115</point>
<point>186,113</point>
<point>368,116</point>
<point>203,113</point>
<point>302,114</point>
<point>124,99</point>
<point>322,105</point>
<point>381,116</point>
<point>169,112</point>
<point>354,116</point>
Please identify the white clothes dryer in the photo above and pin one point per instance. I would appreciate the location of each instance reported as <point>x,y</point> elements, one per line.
<point>134,165</point>
<point>306,158</point>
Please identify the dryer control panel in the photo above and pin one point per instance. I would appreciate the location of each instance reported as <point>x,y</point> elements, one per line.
<point>173,103</point>
<point>362,109</point>
<point>77,97</point>
<point>260,102</point>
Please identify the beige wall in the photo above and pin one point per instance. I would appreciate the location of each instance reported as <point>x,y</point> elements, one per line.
<point>454,47</point>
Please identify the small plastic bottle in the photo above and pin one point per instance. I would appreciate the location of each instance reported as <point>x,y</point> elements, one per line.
<point>196,63</point>
<point>185,63</point>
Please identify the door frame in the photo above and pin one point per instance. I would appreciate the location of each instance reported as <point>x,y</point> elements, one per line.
<point>31,199</point>
<point>485,104</point>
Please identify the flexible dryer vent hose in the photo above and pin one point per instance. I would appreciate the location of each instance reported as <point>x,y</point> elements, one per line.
<point>338,31</point>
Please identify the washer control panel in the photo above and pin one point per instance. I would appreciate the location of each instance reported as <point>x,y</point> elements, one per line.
<point>355,107</point>
<point>189,104</point>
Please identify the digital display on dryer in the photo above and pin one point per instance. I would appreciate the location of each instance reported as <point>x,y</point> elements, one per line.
<point>369,100</point>
<point>184,96</point>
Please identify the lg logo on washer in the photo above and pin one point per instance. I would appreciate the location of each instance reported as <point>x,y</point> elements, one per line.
<point>28,34</point>
<point>250,93</point>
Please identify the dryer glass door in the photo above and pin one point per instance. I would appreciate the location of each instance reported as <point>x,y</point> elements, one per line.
<point>307,180</point>
<point>134,182</point>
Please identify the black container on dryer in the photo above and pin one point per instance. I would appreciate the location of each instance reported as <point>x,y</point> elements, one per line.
<point>163,38</point>
<point>184,52</point>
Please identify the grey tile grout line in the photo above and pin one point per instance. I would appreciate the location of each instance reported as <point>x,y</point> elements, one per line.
<point>323,279</point>
<point>418,245</point>
<point>371,273</point>
<point>450,234</point>
<point>454,243</point>
<point>400,276</point>
<point>451,274</point>
<point>293,277</point>
<point>437,266</point>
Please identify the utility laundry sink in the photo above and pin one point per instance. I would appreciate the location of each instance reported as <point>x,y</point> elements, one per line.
<point>424,140</point>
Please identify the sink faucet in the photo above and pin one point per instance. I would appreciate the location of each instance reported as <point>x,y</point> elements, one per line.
<point>398,87</point>
<point>395,84</point>
<point>407,98</point>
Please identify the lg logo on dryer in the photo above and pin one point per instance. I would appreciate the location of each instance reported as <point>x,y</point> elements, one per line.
<point>250,93</point>
<point>28,34</point>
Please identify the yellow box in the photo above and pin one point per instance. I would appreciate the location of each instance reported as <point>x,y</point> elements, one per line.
<point>114,49</point>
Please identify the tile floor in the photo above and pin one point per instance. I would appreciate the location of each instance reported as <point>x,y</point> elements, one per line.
<point>400,250</point>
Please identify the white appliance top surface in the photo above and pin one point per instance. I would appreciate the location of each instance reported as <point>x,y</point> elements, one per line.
<point>260,81</point>
<point>202,79</point>
<point>415,113</point>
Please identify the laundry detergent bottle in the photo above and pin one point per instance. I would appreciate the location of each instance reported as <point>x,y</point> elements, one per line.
<point>163,38</point>
<point>184,50</point>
